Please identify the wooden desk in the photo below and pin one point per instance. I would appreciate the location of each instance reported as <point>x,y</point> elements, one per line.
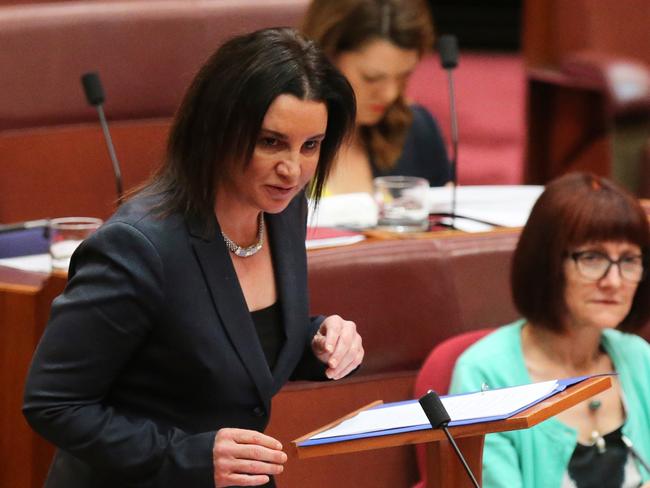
<point>25,300</point>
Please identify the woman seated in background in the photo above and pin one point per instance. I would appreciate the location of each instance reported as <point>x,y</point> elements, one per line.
<point>578,280</point>
<point>377,44</point>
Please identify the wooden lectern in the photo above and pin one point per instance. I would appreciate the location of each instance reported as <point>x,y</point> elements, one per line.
<point>25,300</point>
<point>443,467</point>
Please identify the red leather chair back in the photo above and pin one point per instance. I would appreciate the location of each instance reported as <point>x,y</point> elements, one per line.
<point>436,371</point>
<point>435,374</point>
<point>53,160</point>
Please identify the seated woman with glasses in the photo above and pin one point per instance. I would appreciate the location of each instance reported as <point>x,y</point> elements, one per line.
<point>578,280</point>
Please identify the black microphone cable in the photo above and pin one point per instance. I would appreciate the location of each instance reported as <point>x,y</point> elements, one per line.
<point>439,419</point>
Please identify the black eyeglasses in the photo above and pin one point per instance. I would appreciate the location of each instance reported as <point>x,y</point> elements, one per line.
<point>594,265</point>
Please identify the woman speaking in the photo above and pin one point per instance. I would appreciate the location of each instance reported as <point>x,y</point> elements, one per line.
<point>187,311</point>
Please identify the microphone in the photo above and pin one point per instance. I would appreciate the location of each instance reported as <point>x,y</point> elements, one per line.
<point>439,418</point>
<point>94,91</point>
<point>448,49</point>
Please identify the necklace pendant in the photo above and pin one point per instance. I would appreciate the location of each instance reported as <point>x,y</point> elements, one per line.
<point>595,405</point>
<point>600,444</point>
<point>245,252</point>
<point>598,441</point>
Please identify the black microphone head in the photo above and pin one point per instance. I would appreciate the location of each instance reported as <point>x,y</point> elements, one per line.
<point>93,88</point>
<point>448,49</point>
<point>434,410</point>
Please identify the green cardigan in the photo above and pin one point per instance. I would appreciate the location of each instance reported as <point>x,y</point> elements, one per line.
<point>538,457</point>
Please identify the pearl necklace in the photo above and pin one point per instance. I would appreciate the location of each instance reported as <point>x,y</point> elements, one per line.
<point>244,252</point>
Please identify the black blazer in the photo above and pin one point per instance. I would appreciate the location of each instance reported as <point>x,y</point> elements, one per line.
<point>424,153</point>
<point>151,349</point>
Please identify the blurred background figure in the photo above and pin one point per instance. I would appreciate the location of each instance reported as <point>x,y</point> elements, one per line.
<point>579,281</point>
<point>377,44</point>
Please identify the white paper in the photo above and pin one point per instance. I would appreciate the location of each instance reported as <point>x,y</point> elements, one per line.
<point>353,210</point>
<point>484,404</point>
<point>466,225</point>
<point>41,263</point>
<point>495,403</point>
<point>504,205</point>
<point>333,241</point>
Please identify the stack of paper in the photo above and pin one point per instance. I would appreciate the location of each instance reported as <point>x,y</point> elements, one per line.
<point>503,205</point>
<point>350,210</point>
<point>40,263</point>
<point>319,237</point>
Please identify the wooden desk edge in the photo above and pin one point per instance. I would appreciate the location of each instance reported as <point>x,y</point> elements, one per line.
<point>20,281</point>
<point>336,422</point>
<point>523,420</point>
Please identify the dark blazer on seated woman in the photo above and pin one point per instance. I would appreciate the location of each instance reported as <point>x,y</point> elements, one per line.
<point>424,153</point>
<point>164,288</point>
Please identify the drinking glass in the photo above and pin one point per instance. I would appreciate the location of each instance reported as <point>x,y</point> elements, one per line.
<point>402,203</point>
<point>66,234</point>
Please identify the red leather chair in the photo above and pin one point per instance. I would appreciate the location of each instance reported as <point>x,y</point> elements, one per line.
<point>435,374</point>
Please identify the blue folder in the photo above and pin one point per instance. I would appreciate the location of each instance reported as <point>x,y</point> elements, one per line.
<point>562,385</point>
<point>23,242</point>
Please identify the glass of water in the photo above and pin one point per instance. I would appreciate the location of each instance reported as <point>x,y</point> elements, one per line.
<point>402,203</point>
<point>66,234</point>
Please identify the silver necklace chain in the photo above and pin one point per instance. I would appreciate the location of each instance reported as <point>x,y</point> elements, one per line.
<point>245,252</point>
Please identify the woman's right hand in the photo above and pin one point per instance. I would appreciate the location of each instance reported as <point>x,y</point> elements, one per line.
<point>245,458</point>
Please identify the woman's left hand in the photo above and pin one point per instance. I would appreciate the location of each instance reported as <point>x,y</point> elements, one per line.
<point>338,344</point>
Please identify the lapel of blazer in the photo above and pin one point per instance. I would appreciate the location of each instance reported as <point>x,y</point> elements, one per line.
<point>289,262</point>
<point>229,302</point>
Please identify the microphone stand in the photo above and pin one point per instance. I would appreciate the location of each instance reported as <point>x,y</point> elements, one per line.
<point>94,92</point>
<point>111,152</point>
<point>448,48</point>
<point>439,419</point>
<point>454,143</point>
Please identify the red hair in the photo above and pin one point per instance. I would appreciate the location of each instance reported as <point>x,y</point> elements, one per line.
<point>575,209</point>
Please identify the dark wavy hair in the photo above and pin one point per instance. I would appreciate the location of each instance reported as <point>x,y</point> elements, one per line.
<point>217,125</point>
<point>347,25</point>
<point>574,209</point>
